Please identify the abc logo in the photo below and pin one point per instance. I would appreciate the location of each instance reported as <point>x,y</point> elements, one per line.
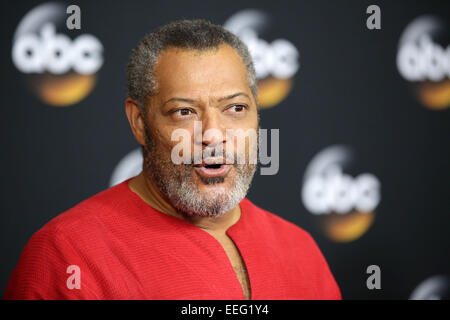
<point>128,167</point>
<point>434,288</point>
<point>423,59</point>
<point>275,63</point>
<point>60,70</point>
<point>341,205</point>
<point>340,193</point>
<point>56,53</point>
<point>278,59</point>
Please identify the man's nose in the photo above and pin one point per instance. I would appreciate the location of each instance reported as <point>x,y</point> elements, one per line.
<point>213,130</point>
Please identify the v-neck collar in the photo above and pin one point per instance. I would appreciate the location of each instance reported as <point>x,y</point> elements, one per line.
<point>231,232</point>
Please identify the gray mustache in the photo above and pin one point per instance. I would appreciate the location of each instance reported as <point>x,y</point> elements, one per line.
<point>230,158</point>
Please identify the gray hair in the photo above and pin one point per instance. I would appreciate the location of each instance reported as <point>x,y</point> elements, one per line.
<point>188,34</point>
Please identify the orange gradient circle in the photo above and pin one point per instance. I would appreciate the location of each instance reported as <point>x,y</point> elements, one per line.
<point>434,95</point>
<point>347,227</point>
<point>271,91</point>
<point>62,90</point>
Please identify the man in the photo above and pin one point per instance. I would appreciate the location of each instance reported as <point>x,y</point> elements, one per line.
<point>179,231</point>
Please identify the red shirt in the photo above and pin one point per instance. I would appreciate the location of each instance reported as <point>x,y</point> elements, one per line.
<point>125,249</point>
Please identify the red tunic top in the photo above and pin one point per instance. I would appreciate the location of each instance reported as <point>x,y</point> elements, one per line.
<point>125,249</point>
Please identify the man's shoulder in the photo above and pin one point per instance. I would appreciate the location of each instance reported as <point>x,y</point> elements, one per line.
<point>274,222</point>
<point>72,238</point>
<point>87,213</point>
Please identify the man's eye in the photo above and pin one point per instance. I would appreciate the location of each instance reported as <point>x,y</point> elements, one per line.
<point>183,112</point>
<point>237,108</point>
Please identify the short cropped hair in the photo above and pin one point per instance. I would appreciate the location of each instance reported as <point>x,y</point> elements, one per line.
<point>195,34</point>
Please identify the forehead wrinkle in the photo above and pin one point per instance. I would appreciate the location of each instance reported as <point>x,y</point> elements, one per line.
<point>209,86</point>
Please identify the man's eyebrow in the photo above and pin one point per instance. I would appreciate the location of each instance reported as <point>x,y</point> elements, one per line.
<point>234,95</point>
<point>179,99</point>
<point>229,97</point>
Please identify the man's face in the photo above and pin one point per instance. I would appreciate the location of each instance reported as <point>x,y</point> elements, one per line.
<point>211,87</point>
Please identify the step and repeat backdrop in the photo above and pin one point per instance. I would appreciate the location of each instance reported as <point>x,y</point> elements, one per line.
<point>359,90</point>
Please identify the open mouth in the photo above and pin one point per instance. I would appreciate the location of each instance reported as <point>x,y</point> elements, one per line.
<point>213,166</point>
<point>212,170</point>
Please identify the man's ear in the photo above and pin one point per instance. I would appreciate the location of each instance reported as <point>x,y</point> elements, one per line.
<point>136,120</point>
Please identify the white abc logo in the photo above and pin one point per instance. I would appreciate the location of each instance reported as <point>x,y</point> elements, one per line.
<point>128,167</point>
<point>279,58</point>
<point>334,191</point>
<point>57,53</point>
<point>424,60</point>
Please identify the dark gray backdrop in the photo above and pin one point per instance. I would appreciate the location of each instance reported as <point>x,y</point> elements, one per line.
<point>347,91</point>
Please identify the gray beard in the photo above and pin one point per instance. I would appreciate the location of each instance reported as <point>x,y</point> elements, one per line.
<point>176,183</point>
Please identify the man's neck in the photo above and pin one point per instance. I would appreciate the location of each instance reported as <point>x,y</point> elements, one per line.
<point>146,189</point>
